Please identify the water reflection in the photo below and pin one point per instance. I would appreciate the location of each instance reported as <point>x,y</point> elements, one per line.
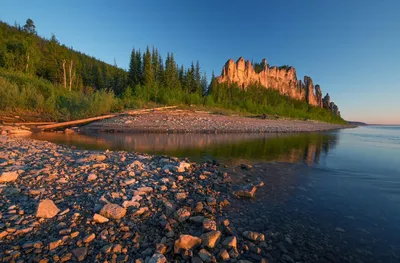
<point>232,148</point>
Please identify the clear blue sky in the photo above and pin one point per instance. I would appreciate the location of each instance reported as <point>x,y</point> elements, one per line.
<point>350,48</point>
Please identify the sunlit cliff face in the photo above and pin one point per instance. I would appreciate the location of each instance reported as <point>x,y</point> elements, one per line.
<point>282,79</point>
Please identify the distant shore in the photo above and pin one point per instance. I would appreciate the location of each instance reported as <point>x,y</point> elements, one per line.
<point>182,121</point>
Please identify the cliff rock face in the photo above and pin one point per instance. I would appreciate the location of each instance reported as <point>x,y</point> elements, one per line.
<point>327,104</point>
<point>282,79</point>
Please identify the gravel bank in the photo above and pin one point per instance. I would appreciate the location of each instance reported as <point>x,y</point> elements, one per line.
<point>180,121</point>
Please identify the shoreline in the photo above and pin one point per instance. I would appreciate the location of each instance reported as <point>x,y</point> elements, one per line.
<point>182,121</point>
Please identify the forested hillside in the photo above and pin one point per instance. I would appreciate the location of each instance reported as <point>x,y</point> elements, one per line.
<point>42,78</point>
<point>22,50</point>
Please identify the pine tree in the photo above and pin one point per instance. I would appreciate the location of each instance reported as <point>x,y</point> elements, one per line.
<point>30,26</point>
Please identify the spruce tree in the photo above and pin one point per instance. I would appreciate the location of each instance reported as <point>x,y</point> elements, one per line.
<point>204,84</point>
<point>197,79</point>
<point>148,74</point>
<point>132,73</point>
<point>155,66</point>
<point>139,67</point>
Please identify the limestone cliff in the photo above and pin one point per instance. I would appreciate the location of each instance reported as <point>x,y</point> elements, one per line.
<point>282,79</point>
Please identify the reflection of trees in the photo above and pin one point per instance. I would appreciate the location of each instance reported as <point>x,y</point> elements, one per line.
<point>292,148</point>
<point>78,140</point>
<point>254,147</point>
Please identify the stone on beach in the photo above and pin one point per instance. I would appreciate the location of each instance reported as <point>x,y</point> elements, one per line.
<point>230,242</point>
<point>183,166</point>
<point>186,242</point>
<point>100,219</point>
<point>157,258</point>
<point>246,191</point>
<point>113,211</point>
<point>97,157</point>
<point>182,214</point>
<point>89,238</point>
<point>254,236</point>
<point>80,253</point>
<point>92,177</point>
<point>210,239</point>
<point>47,209</point>
<point>8,176</point>
<point>130,181</point>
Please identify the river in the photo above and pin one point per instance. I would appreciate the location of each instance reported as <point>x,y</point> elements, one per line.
<point>335,194</point>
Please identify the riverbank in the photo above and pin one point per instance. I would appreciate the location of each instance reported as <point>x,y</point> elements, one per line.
<point>186,121</point>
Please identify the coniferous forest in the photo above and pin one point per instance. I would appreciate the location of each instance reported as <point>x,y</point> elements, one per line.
<point>46,80</point>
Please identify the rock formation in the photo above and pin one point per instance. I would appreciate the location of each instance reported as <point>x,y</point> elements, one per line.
<point>282,79</point>
<point>327,104</point>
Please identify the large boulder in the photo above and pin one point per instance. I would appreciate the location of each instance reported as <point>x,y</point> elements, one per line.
<point>8,177</point>
<point>210,239</point>
<point>113,211</point>
<point>47,209</point>
<point>186,242</point>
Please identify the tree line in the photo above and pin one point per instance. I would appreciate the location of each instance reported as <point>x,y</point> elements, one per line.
<point>151,79</point>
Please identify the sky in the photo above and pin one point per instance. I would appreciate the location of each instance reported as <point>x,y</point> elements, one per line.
<point>350,48</point>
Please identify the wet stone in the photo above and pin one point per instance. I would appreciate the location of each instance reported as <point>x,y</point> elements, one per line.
<point>254,236</point>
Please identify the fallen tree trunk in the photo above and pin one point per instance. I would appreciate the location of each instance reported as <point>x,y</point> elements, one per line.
<point>34,123</point>
<point>73,123</point>
<point>88,120</point>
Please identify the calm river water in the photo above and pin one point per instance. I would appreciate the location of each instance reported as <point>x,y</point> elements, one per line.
<point>334,194</point>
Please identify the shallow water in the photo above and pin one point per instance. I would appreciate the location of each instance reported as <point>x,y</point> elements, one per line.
<point>335,194</point>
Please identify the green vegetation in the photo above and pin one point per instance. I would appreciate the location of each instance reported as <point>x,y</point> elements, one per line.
<point>41,77</point>
<point>24,93</point>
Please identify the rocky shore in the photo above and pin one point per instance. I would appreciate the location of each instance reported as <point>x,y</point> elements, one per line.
<point>184,121</point>
<point>60,204</point>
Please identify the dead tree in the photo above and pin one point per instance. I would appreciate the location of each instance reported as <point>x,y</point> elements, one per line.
<point>27,63</point>
<point>65,75</point>
<point>70,75</point>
